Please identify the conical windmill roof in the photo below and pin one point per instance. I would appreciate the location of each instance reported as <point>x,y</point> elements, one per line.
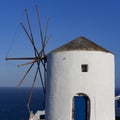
<point>80,44</point>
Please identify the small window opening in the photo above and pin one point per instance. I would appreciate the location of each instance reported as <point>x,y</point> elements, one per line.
<point>42,117</point>
<point>84,68</point>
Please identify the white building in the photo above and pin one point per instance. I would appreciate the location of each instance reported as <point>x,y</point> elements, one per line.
<point>84,69</point>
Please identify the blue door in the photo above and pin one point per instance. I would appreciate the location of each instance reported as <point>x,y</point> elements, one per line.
<point>81,108</point>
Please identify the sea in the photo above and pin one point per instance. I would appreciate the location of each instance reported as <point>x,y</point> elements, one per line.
<point>13,102</point>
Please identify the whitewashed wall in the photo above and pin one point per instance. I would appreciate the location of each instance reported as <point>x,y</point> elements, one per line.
<point>65,79</point>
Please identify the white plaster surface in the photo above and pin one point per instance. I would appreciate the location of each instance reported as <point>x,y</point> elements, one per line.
<point>65,80</point>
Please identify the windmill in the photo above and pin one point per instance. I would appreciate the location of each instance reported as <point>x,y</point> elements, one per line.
<point>39,57</point>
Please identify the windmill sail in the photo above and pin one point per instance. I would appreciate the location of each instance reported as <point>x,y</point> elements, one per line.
<point>39,57</point>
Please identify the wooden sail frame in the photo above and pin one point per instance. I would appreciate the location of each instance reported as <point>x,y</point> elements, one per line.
<point>39,58</point>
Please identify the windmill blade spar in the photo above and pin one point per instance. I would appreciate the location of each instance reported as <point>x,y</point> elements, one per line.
<point>26,63</point>
<point>40,74</point>
<point>40,26</point>
<point>22,58</point>
<point>25,75</point>
<point>30,29</point>
<point>31,91</point>
<point>34,47</point>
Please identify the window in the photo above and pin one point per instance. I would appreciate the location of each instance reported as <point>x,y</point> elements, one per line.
<point>42,117</point>
<point>84,68</point>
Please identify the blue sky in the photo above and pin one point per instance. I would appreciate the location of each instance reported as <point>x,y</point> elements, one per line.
<point>99,21</point>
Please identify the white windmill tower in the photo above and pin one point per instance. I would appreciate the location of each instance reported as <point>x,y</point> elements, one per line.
<point>80,71</point>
